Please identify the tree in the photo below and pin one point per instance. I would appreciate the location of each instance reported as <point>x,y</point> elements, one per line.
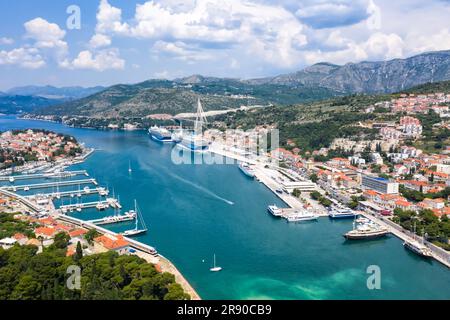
<point>314,178</point>
<point>91,235</point>
<point>296,193</point>
<point>27,289</point>
<point>61,240</point>
<point>78,253</point>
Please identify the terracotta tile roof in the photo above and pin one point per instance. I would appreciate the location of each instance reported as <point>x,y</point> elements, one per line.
<point>77,233</point>
<point>112,242</point>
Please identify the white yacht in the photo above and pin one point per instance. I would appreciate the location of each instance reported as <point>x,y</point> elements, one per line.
<point>136,231</point>
<point>302,215</point>
<point>215,268</point>
<point>275,211</point>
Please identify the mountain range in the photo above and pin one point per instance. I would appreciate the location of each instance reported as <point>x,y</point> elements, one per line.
<point>320,81</point>
<point>370,77</point>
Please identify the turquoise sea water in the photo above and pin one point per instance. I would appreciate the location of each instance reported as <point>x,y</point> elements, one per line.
<point>194,211</point>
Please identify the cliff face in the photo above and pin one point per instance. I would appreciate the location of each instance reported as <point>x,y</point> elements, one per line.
<point>371,77</point>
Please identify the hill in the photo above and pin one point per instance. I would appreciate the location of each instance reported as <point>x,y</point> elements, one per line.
<point>180,96</point>
<point>24,104</point>
<point>50,92</point>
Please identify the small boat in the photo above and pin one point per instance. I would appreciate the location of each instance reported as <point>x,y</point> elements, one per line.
<point>11,179</point>
<point>26,189</point>
<point>275,211</point>
<point>215,268</point>
<point>247,170</point>
<point>87,190</point>
<point>300,216</point>
<point>417,247</point>
<point>136,231</point>
<point>366,231</point>
<point>338,213</point>
<point>129,167</point>
<point>101,206</point>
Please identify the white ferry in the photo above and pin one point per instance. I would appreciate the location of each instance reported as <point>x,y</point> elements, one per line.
<point>275,211</point>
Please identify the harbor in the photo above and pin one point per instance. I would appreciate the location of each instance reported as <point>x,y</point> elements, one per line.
<point>190,218</point>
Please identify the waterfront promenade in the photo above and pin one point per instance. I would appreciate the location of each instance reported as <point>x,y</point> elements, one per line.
<point>439,254</point>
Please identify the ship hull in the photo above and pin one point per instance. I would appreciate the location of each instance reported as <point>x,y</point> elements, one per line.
<point>158,137</point>
<point>365,236</point>
<point>247,173</point>
<point>342,216</point>
<point>416,250</point>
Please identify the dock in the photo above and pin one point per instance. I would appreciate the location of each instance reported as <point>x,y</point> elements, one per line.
<point>439,254</point>
<point>106,204</point>
<point>64,174</point>
<point>67,194</point>
<point>112,220</point>
<point>50,185</point>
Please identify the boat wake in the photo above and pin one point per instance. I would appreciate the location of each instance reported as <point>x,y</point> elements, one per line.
<point>203,189</point>
<point>192,184</point>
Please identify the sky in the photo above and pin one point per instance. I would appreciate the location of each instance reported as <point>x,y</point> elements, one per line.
<point>105,42</point>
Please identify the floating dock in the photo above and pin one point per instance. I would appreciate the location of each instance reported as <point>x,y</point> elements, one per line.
<point>112,220</point>
<point>50,185</point>
<point>103,204</point>
<point>65,174</point>
<point>70,194</point>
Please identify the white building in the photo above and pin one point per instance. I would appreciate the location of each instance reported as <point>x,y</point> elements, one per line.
<point>379,184</point>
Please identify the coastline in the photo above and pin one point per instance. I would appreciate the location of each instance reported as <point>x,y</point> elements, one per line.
<point>395,230</point>
<point>144,251</point>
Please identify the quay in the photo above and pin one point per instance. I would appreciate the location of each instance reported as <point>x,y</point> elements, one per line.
<point>50,185</point>
<point>439,254</point>
<point>144,251</point>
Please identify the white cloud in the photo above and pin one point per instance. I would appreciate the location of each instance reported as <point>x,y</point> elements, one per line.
<point>268,31</point>
<point>109,19</point>
<point>25,57</point>
<point>99,41</point>
<point>46,34</point>
<point>100,61</point>
<point>6,40</point>
<point>417,43</point>
<point>179,50</point>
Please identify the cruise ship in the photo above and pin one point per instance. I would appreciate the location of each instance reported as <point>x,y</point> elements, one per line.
<point>342,213</point>
<point>194,143</point>
<point>366,231</point>
<point>160,134</point>
<point>247,170</point>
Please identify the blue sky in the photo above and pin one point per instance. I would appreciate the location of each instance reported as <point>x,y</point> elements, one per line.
<point>127,41</point>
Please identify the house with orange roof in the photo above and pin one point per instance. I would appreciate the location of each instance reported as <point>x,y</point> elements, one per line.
<point>109,242</point>
<point>47,233</point>
<point>21,238</point>
<point>435,203</point>
<point>403,205</point>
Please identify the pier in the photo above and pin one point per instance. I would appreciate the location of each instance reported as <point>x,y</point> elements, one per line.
<point>65,174</point>
<point>50,185</point>
<point>104,204</point>
<point>112,220</point>
<point>72,194</point>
